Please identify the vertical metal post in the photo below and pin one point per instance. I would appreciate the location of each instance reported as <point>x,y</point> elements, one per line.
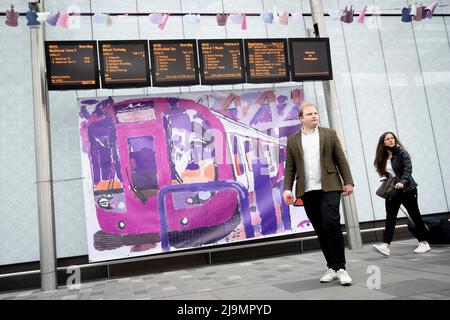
<point>47,244</point>
<point>334,116</point>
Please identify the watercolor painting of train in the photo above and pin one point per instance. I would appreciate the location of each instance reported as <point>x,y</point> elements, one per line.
<point>170,173</point>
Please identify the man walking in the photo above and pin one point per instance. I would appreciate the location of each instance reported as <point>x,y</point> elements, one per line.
<point>316,160</point>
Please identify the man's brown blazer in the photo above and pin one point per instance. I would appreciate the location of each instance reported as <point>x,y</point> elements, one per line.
<point>333,164</point>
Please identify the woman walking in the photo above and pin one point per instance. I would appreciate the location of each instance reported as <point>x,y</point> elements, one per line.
<point>392,159</point>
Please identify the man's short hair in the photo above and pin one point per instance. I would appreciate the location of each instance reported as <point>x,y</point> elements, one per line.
<point>304,105</point>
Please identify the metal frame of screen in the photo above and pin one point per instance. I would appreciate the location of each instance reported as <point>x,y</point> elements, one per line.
<point>179,82</point>
<point>326,41</point>
<point>287,78</point>
<point>124,83</point>
<point>63,86</point>
<point>221,81</point>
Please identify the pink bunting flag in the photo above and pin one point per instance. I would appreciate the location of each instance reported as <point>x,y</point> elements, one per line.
<point>63,20</point>
<point>164,21</point>
<point>362,15</point>
<point>284,18</point>
<point>430,9</point>
<point>244,22</point>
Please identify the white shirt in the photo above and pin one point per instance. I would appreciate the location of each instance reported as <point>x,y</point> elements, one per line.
<point>311,160</point>
<point>389,168</point>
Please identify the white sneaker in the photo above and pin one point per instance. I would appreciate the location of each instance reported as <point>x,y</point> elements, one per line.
<point>422,248</point>
<point>343,277</point>
<point>382,249</point>
<point>330,275</point>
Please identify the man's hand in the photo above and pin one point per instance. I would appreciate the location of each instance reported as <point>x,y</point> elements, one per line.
<point>288,197</point>
<point>347,189</point>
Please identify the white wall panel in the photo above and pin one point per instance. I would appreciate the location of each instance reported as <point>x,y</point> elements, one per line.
<point>434,55</point>
<point>349,67</point>
<point>372,102</point>
<point>18,206</point>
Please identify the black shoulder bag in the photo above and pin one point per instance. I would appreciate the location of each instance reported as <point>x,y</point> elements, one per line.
<point>387,188</point>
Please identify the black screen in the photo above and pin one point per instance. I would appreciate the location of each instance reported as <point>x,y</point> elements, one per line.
<point>71,65</point>
<point>310,59</point>
<point>124,63</point>
<point>174,62</point>
<point>266,60</point>
<point>221,61</point>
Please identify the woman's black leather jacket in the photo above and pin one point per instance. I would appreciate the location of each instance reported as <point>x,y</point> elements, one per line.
<point>402,166</point>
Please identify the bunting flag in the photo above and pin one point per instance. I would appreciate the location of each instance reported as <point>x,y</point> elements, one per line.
<point>413,10</point>
<point>192,18</point>
<point>221,19</point>
<point>32,19</point>
<point>430,9</point>
<point>42,16</point>
<point>100,18</point>
<point>284,18</point>
<point>109,21</point>
<point>164,21</point>
<point>155,17</point>
<point>267,17</point>
<point>297,17</point>
<point>52,18</point>
<point>362,15</point>
<point>406,14</point>
<point>243,22</point>
<point>417,13</point>
<point>235,18</point>
<point>349,15</point>
<point>344,14</point>
<point>63,19</point>
<point>12,17</point>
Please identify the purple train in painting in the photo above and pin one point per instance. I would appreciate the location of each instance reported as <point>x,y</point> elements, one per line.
<point>171,172</point>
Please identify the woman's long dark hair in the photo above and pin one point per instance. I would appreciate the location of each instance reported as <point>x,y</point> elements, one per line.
<point>382,154</point>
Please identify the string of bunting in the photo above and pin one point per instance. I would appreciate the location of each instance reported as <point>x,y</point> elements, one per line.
<point>63,19</point>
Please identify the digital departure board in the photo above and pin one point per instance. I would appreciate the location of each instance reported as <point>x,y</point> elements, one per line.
<point>221,61</point>
<point>174,62</point>
<point>71,65</point>
<point>310,59</point>
<point>124,63</point>
<point>266,60</point>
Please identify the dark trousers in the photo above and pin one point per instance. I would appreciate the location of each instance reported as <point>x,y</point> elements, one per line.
<point>322,209</point>
<point>409,201</point>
